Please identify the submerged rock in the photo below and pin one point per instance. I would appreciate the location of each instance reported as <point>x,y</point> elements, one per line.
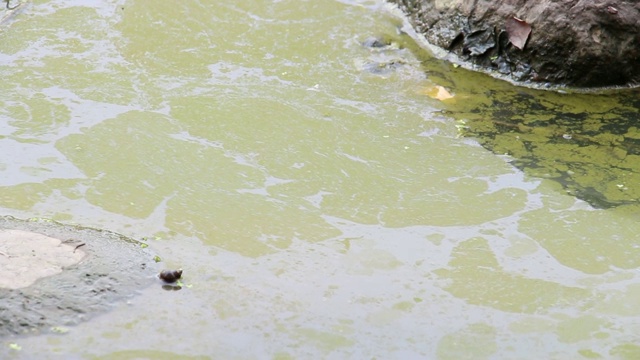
<point>27,256</point>
<point>65,274</point>
<point>385,56</point>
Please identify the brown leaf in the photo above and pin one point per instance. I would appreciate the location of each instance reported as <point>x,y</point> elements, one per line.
<point>518,31</point>
<point>436,92</point>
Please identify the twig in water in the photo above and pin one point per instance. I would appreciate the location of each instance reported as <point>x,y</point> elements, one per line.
<point>9,7</point>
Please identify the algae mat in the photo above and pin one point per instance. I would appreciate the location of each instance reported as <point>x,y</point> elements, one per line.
<point>588,143</point>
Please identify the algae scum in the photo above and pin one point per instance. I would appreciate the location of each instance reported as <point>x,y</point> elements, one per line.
<point>589,143</point>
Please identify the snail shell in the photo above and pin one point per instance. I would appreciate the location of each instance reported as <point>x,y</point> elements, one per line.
<point>170,275</point>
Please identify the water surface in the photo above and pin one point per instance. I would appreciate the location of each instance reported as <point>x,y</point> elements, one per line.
<point>322,202</point>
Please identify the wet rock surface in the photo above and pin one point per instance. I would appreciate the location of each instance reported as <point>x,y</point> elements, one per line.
<point>575,43</point>
<point>386,56</point>
<point>114,268</point>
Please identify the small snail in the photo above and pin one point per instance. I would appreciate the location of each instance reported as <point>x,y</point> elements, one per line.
<point>170,276</point>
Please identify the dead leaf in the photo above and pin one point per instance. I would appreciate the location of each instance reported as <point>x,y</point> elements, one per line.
<point>518,31</point>
<point>436,92</point>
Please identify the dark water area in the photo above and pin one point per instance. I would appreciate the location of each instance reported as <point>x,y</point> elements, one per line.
<point>589,143</point>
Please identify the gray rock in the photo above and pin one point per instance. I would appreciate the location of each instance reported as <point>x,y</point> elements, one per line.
<point>113,268</point>
<point>578,43</point>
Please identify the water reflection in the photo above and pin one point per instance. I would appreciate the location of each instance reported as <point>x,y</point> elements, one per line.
<point>586,142</point>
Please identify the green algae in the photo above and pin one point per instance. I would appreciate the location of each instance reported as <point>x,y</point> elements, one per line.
<point>589,143</point>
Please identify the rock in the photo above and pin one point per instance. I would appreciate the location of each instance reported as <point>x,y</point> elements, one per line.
<point>64,274</point>
<point>578,43</point>
<point>28,256</point>
<point>385,57</point>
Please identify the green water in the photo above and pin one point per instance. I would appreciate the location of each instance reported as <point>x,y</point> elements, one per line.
<point>321,202</point>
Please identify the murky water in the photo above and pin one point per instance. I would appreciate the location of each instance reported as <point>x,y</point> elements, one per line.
<point>316,192</point>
